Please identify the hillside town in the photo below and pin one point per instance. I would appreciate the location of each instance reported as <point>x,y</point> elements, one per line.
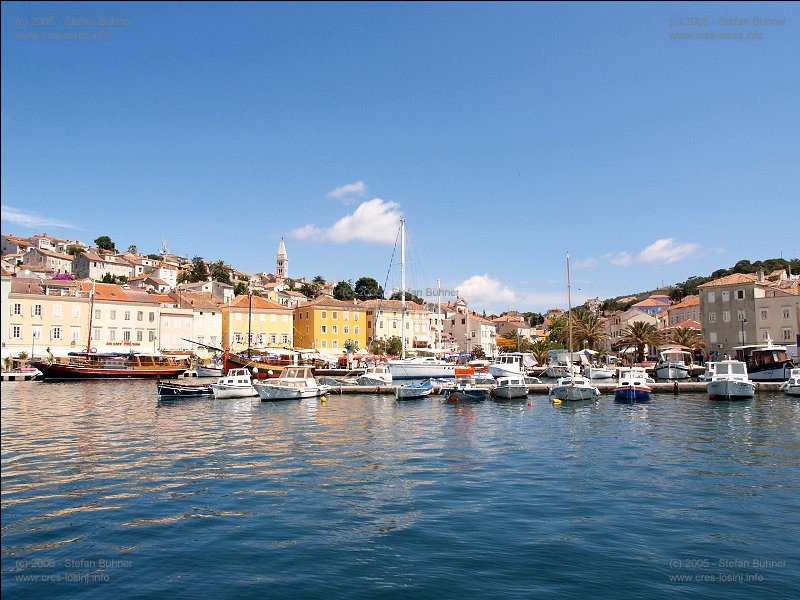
<point>58,297</point>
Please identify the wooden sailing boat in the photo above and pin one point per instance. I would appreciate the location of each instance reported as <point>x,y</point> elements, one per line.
<point>572,387</point>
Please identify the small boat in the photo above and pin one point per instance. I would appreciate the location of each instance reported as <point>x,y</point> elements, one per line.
<point>214,369</point>
<point>512,386</point>
<point>792,385</point>
<point>730,382</point>
<point>376,375</point>
<point>633,385</point>
<point>674,363</point>
<point>413,391</point>
<point>765,362</point>
<point>238,383</point>
<point>171,389</point>
<point>598,372</point>
<point>465,387</point>
<point>572,387</point>
<point>294,383</point>
<point>507,365</point>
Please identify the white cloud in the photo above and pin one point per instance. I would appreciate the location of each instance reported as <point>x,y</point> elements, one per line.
<point>376,221</point>
<point>667,250</point>
<point>622,259</point>
<point>357,188</point>
<point>18,217</point>
<point>482,290</point>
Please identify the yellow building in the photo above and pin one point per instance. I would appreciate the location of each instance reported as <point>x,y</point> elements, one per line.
<point>267,324</point>
<point>330,324</point>
<point>385,320</point>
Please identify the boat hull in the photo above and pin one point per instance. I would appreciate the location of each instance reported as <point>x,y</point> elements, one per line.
<point>775,373</point>
<point>61,372</point>
<point>176,390</point>
<point>730,390</point>
<point>407,371</point>
<point>272,392</point>
<point>632,393</point>
<point>413,391</point>
<point>511,391</point>
<point>222,392</point>
<point>672,371</point>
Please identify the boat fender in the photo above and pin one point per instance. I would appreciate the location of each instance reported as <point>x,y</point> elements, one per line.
<point>556,401</point>
<point>675,387</point>
<point>323,399</point>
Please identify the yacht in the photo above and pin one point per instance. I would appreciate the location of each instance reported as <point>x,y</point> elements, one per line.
<point>765,362</point>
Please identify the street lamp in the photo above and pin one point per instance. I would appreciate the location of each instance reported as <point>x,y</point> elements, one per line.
<point>743,322</point>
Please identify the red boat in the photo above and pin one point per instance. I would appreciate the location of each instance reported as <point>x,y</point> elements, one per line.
<point>93,365</point>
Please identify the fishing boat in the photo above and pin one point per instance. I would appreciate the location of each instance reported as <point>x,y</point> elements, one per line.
<point>765,362</point>
<point>792,385</point>
<point>598,372</point>
<point>111,365</point>
<point>730,382</point>
<point>572,387</point>
<point>238,383</point>
<point>212,369</point>
<point>674,363</point>
<point>465,387</point>
<point>375,375</point>
<point>511,386</point>
<point>294,383</point>
<point>633,385</point>
<point>413,391</point>
<point>171,389</point>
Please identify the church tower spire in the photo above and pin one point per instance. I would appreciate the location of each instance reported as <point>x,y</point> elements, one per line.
<point>282,262</point>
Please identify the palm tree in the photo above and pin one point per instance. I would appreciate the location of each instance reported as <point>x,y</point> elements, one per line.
<point>640,334</point>
<point>686,336</point>
<point>587,327</point>
<point>541,351</point>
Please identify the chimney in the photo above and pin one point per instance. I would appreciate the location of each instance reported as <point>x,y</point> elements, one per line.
<point>761,276</point>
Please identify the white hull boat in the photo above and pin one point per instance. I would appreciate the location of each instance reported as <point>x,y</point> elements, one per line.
<point>511,387</point>
<point>237,383</point>
<point>294,383</point>
<point>413,391</point>
<point>730,382</point>
<point>792,386</point>
<point>574,388</point>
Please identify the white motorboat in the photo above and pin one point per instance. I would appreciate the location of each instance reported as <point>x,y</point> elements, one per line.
<point>512,386</point>
<point>376,375</point>
<point>507,365</point>
<point>421,367</point>
<point>598,372</point>
<point>238,383</point>
<point>792,385</point>
<point>674,363</point>
<point>294,383</point>
<point>730,382</point>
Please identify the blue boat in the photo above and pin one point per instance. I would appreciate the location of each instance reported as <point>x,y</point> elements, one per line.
<point>633,385</point>
<point>170,389</point>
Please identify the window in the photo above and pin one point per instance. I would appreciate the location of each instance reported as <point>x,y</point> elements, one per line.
<point>355,316</point>
<point>764,314</point>
<point>355,330</point>
<point>57,310</point>
<point>740,316</point>
<point>97,314</point>
<point>285,318</point>
<point>324,343</point>
<point>711,297</point>
<point>335,329</point>
<point>37,310</point>
<point>151,336</point>
<point>786,335</point>
<point>237,338</point>
<point>324,329</point>
<point>113,315</point>
<point>126,335</point>
<point>112,335</point>
<point>726,316</point>
<point>740,294</point>
<point>306,329</point>
<point>786,312</point>
<point>75,334</point>
<point>55,333</point>
<point>152,317</point>
<point>726,296</point>
<point>76,312</point>
<point>127,315</point>
<point>712,337</point>
<point>346,329</point>
<point>140,335</point>
<point>346,315</point>
<point>16,331</point>
<point>96,334</point>
<point>273,338</point>
<point>140,315</point>
<point>285,338</point>
<point>273,318</point>
<point>324,314</point>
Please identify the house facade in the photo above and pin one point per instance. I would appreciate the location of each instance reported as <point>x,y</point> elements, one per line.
<point>250,321</point>
<point>327,324</point>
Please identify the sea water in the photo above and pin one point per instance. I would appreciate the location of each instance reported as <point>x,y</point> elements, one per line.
<point>108,492</point>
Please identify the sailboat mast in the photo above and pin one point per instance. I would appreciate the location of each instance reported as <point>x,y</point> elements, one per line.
<point>91,314</point>
<point>438,313</point>
<point>403,288</point>
<point>569,318</point>
<point>249,320</point>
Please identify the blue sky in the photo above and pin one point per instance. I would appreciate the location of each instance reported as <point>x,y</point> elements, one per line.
<point>506,134</point>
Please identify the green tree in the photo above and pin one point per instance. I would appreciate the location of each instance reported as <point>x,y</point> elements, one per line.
<point>640,334</point>
<point>240,289</point>
<point>686,336</point>
<point>409,297</point>
<point>115,279</point>
<point>133,249</point>
<point>74,250</point>
<point>199,270</point>
<point>589,329</point>
<point>221,272</point>
<point>366,288</point>
<point>559,331</point>
<point>394,345</point>
<point>104,243</point>
<point>478,353</point>
<point>541,351</point>
<point>343,291</point>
